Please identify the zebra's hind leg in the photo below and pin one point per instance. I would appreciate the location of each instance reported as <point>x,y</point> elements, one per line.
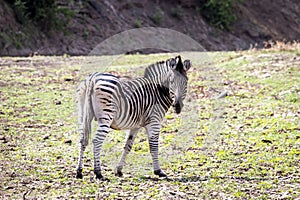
<point>82,147</point>
<point>100,136</point>
<point>127,147</point>
<point>153,135</point>
<point>79,166</point>
<point>80,98</point>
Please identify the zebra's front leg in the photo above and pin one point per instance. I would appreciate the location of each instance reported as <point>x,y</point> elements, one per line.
<point>153,136</point>
<point>100,136</point>
<point>128,145</point>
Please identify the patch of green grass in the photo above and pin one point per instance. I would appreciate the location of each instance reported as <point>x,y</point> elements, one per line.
<point>244,146</point>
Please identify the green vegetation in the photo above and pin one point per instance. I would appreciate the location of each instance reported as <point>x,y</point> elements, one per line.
<point>241,147</point>
<point>177,11</point>
<point>13,38</point>
<point>158,17</point>
<point>44,13</point>
<point>138,23</point>
<point>219,13</point>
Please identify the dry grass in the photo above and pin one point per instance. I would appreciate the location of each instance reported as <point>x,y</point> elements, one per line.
<point>282,46</point>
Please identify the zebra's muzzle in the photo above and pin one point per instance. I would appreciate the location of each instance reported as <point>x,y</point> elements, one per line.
<point>177,107</point>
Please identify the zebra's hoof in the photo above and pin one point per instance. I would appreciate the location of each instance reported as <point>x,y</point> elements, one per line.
<point>98,175</point>
<point>79,173</point>
<point>119,173</point>
<point>160,173</point>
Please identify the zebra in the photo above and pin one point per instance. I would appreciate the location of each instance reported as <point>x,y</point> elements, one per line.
<point>131,104</point>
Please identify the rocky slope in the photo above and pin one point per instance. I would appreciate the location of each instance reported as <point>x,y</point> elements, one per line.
<point>94,21</point>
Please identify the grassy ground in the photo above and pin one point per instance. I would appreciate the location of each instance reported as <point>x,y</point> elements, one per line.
<point>244,146</point>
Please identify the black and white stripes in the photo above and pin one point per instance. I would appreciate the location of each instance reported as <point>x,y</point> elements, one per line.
<point>141,102</point>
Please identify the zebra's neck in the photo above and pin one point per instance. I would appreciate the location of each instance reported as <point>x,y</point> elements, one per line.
<point>159,74</point>
<point>164,96</point>
<point>155,89</point>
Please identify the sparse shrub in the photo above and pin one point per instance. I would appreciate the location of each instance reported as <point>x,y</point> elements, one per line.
<point>12,38</point>
<point>138,23</point>
<point>198,9</point>
<point>20,11</point>
<point>158,16</point>
<point>86,34</point>
<point>44,13</point>
<point>177,12</point>
<point>219,13</point>
<point>129,4</point>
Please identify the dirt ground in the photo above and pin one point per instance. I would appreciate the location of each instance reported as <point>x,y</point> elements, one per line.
<point>244,146</point>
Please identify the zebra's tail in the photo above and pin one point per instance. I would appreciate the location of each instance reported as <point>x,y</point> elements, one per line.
<point>88,111</point>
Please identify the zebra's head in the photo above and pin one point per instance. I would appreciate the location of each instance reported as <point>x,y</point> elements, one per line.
<point>178,81</point>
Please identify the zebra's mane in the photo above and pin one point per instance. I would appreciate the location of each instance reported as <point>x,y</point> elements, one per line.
<point>160,70</point>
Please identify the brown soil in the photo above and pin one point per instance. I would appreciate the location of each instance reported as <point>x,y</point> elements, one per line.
<point>94,21</point>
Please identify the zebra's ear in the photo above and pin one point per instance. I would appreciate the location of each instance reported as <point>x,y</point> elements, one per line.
<point>172,63</point>
<point>179,65</point>
<point>178,59</point>
<point>187,65</point>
